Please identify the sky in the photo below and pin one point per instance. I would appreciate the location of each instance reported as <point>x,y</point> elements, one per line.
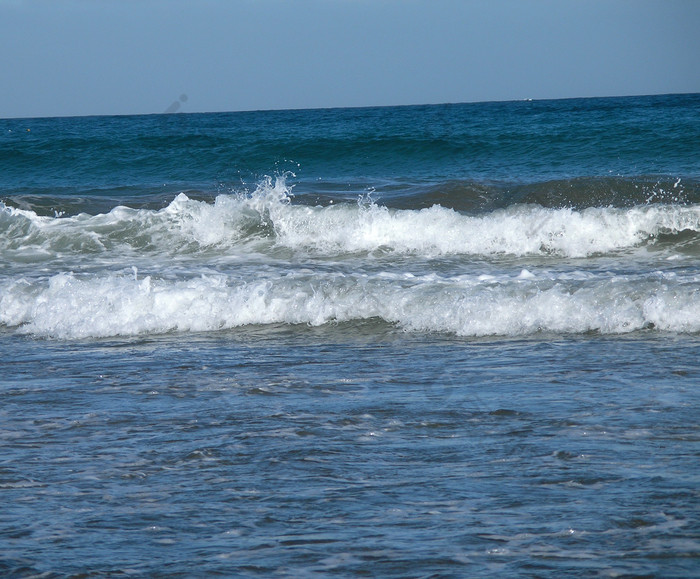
<point>105,57</point>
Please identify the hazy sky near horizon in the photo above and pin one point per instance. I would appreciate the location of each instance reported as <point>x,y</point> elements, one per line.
<point>94,57</point>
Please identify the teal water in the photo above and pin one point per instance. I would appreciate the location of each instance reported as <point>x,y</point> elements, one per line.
<point>440,341</point>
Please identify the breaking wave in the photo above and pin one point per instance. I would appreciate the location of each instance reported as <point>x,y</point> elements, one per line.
<point>267,218</point>
<point>71,306</point>
<point>261,258</point>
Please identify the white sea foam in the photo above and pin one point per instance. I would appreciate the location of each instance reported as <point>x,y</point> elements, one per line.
<point>72,306</point>
<point>217,266</point>
<point>519,230</point>
<point>267,215</point>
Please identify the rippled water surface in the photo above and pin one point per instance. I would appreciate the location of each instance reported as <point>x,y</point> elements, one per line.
<point>351,451</point>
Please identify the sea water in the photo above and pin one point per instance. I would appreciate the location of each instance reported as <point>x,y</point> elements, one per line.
<point>436,341</point>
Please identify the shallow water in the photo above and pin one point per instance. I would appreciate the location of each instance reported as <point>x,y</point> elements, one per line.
<point>351,451</point>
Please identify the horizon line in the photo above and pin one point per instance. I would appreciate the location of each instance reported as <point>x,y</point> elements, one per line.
<point>351,107</point>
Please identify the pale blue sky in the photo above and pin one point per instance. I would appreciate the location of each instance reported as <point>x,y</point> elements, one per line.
<point>86,57</point>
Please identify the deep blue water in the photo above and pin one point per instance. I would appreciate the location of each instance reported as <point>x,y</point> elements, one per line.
<point>439,341</point>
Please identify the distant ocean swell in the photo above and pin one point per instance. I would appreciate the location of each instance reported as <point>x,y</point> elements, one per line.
<point>260,259</point>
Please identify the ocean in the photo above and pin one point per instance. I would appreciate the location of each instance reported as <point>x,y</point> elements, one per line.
<point>455,340</point>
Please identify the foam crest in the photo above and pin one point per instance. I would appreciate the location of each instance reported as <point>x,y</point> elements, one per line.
<point>518,230</point>
<point>184,226</point>
<point>189,226</point>
<point>72,306</point>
